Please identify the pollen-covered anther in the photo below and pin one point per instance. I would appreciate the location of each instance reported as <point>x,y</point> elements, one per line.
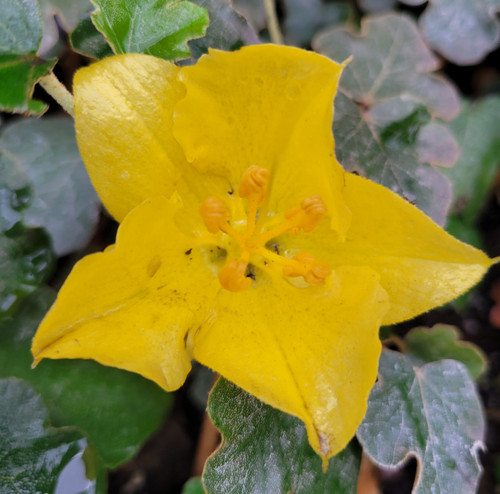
<point>232,276</point>
<point>308,216</point>
<point>214,213</point>
<point>253,185</point>
<point>313,271</point>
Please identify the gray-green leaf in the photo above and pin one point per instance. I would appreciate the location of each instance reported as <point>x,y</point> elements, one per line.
<point>432,413</point>
<point>265,450</point>
<point>387,99</point>
<point>156,27</point>
<point>64,201</point>
<point>34,457</point>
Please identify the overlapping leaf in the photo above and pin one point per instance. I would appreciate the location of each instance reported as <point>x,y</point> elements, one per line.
<point>35,457</point>
<point>228,30</point>
<point>20,67</point>
<point>477,128</point>
<point>463,31</point>
<point>64,201</point>
<point>384,113</point>
<point>442,342</point>
<point>160,28</point>
<point>116,409</point>
<point>432,413</point>
<point>88,41</point>
<point>265,450</point>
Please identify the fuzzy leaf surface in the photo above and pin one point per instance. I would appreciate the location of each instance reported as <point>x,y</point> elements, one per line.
<point>228,30</point>
<point>384,124</point>
<point>265,450</point>
<point>64,201</point>
<point>463,31</point>
<point>35,457</point>
<point>432,413</point>
<point>442,342</point>
<point>156,27</point>
<point>100,401</point>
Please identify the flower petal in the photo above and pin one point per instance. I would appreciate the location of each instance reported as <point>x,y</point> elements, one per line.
<point>123,118</point>
<point>310,352</point>
<point>132,306</point>
<point>270,106</point>
<point>420,265</point>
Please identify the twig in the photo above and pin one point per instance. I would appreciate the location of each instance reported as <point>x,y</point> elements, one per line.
<point>272,22</point>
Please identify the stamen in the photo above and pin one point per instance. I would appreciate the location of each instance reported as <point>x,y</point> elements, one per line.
<point>254,183</point>
<point>305,265</point>
<point>214,213</point>
<point>232,275</point>
<point>308,216</point>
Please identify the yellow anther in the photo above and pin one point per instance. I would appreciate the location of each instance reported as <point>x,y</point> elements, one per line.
<point>305,265</point>
<point>214,213</point>
<point>254,183</point>
<point>232,275</point>
<point>308,216</point>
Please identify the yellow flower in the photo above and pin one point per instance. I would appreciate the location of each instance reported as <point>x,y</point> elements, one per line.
<point>242,242</point>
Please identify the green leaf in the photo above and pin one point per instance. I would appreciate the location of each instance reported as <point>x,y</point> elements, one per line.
<point>88,41</point>
<point>156,27</point>
<point>387,91</point>
<point>442,342</point>
<point>228,30</point>
<point>463,31</point>
<point>117,410</point>
<point>304,18</point>
<point>477,128</point>
<point>35,457</point>
<point>20,68</point>
<point>64,201</point>
<point>193,486</point>
<point>15,191</point>
<point>432,413</point>
<point>18,75</point>
<point>265,450</point>
<point>26,262</point>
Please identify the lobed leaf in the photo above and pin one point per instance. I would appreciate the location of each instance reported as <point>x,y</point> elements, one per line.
<point>265,450</point>
<point>387,100</point>
<point>101,401</point>
<point>156,27</point>
<point>88,41</point>
<point>35,457</point>
<point>228,30</point>
<point>432,413</point>
<point>440,342</point>
<point>64,201</point>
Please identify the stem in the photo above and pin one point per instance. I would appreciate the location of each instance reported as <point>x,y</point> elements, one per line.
<point>272,22</point>
<point>58,91</point>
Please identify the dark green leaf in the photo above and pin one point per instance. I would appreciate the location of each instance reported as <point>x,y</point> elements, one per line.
<point>20,68</point>
<point>34,457</point>
<point>64,201</point>
<point>432,413</point>
<point>26,262</point>
<point>228,30</point>
<point>463,31</point>
<point>386,97</point>
<point>193,486</point>
<point>265,450</point>
<point>156,27</point>
<point>18,75</point>
<point>442,342</point>
<point>117,410</point>
<point>477,128</point>
<point>88,41</point>
<point>304,18</point>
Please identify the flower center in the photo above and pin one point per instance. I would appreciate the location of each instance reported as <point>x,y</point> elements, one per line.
<point>253,187</point>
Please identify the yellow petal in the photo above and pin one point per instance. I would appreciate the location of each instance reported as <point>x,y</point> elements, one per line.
<point>310,352</point>
<point>420,265</point>
<point>269,106</point>
<point>132,306</point>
